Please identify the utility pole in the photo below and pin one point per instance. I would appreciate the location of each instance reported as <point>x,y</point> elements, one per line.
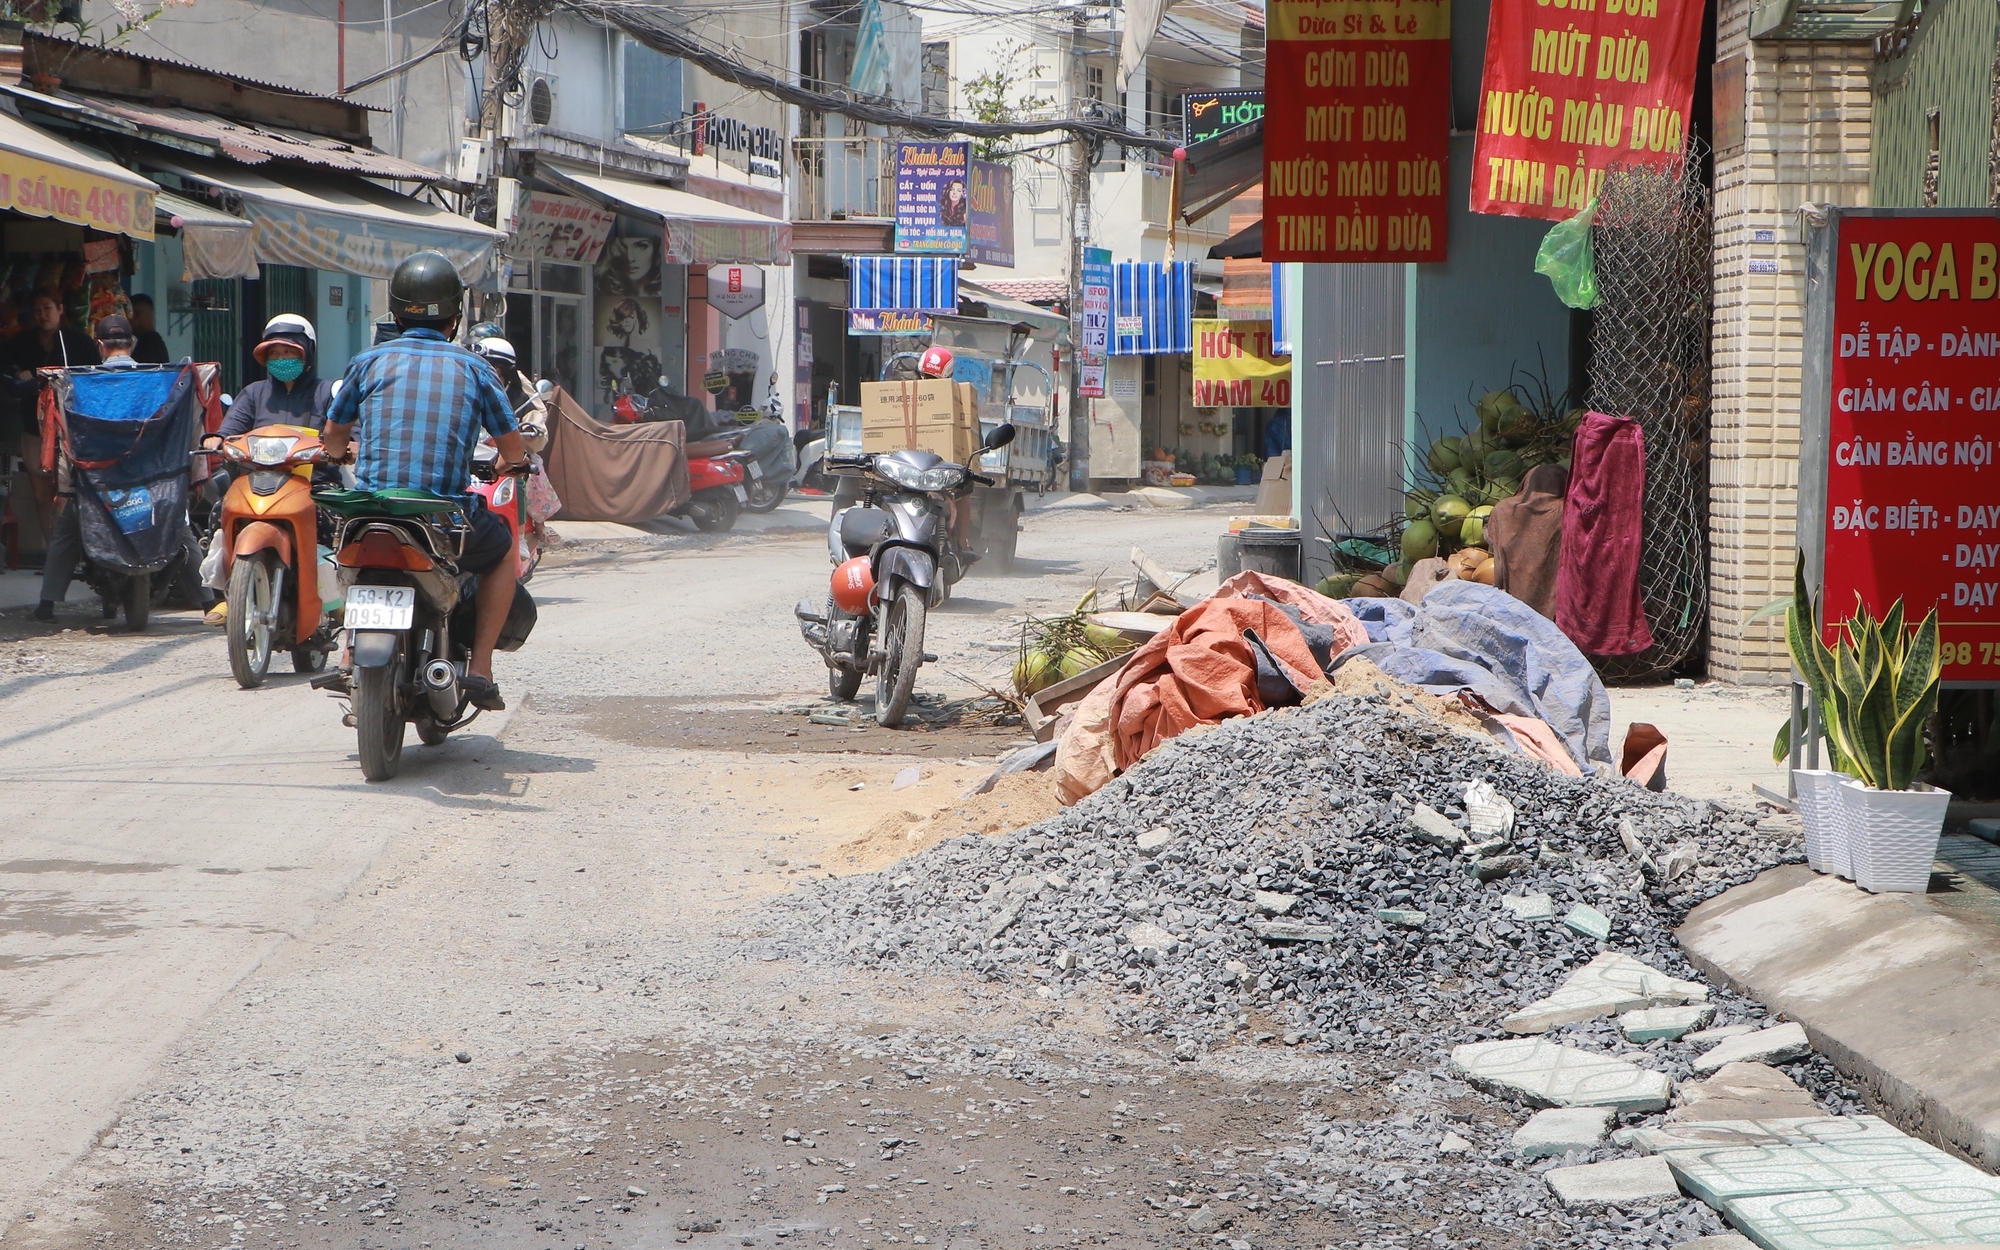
<point>1079,200</point>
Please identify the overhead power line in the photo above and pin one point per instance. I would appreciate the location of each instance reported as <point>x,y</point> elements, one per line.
<point>650,26</point>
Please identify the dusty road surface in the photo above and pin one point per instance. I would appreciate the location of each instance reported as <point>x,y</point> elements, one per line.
<point>510,999</point>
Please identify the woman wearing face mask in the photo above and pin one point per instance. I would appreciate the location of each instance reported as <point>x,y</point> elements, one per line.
<point>292,392</point>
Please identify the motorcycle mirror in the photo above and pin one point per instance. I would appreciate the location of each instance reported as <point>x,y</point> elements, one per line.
<point>335,392</point>
<point>544,386</point>
<point>227,399</point>
<point>1002,435</point>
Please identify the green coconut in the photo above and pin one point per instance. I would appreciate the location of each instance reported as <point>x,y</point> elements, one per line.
<point>1420,541</point>
<point>1446,454</point>
<point>1033,672</point>
<point>1339,586</point>
<point>1501,465</point>
<point>1076,660</point>
<point>1458,482</point>
<point>1447,514</point>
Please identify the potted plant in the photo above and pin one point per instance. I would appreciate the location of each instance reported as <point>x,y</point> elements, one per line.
<point>1875,690</point>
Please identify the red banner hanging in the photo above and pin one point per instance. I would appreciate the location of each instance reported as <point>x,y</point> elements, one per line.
<point>1357,131</point>
<point>1574,86</point>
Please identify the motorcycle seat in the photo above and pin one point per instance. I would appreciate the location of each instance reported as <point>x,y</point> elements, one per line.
<point>709,448</point>
<point>396,502</point>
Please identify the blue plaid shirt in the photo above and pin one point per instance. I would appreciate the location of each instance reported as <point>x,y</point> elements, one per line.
<point>418,404</point>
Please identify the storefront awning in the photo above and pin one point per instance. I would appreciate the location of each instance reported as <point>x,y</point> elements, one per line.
<point>214,244</point>
<point>698,231</point>
<point>1049,325</point>
<point>342,224</point>
<point>1152,308</point>
<point>44,176</point>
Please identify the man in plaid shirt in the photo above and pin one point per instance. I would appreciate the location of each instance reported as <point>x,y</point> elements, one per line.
<point>421,403</point>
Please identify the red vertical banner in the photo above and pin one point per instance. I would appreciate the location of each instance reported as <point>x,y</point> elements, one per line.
<point>1357,130</point>
<point>1572,87</point>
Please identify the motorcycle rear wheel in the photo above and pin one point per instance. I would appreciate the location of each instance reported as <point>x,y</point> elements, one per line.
<point>766,494</point>
<point>902,656</point>
<point>428,732</point>
<point>308,659</point>
<point>250,617</point>
<point>138,601</point>
<point>843,683</point>
<point>378,725</point>
<point>721,511</point>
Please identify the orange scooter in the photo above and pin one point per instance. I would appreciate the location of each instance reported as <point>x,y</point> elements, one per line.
<point>269,533</point>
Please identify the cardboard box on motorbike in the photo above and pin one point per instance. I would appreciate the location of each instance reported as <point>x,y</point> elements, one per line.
<point>928,414</point>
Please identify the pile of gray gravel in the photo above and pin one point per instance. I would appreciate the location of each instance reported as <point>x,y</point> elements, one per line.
<point>1315,804</point>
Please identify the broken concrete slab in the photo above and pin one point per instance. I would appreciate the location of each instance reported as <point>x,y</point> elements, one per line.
<point>1543,1074</point>
<point>1561,1130</point>
<point>1885,1216</point>
<point>1290,931</point>
<point>1781,1043</point>
<point>1590,922</point>
<point>1453,1144</point>
<point>1498,866</point>
<point>1622,1183</point>
<point>1427,824</point>
<point>1529,907</point>
<point>1151,937</point>
<point>1727,1241</point>
<point>1402,917</point>
<point>1153,841</point>
<point>1652,1023</point>
<point>1272,903</point>
<point>1609,984</point>
<point>1793,1131</point>
<point>1890,986</point>
<point>1743,1091</point>
<point>1706,1038</point>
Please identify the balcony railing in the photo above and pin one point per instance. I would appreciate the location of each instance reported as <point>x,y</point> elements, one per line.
<point>839,179</point>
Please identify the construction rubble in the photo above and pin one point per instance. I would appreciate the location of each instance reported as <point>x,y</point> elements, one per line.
<point>1477,938</point>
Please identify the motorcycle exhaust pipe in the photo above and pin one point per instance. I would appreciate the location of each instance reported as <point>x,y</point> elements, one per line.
<point>441,687</point>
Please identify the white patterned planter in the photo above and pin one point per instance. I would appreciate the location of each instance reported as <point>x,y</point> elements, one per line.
<point>1892,835</point>
<point>1825,820</point>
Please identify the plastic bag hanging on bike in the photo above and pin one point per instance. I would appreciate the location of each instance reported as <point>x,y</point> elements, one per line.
<point>1566,259</point>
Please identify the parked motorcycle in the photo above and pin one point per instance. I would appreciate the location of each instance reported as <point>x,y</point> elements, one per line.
<point>268,528</point>
<point>894,559</point>
<point>767,441</point>
<point>409,618</point>
<point>718,472</point>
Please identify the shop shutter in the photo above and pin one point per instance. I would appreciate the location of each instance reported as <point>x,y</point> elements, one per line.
<point>288,289</point>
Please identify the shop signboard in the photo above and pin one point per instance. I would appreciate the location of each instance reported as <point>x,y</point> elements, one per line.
<point>40,188</point>
<point>365,247</point>
<point>1569,92</point>
<point>1354,164</point>
<point>990,222</point>
<point>1093,322</point>
<point>1206,114</point>
<point>1090,378</point>
<point>735,290</point>
<point>1236,365</point>
<point>932,200</point>
<point>562,227</point>
<point>887,321</point>
<point>1904,365</point>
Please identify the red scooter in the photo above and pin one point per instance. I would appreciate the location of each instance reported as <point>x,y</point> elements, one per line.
<point>716,473</point>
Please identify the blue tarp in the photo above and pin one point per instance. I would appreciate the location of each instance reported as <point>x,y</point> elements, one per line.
<point>1469,635</point>
<point>128,433</point>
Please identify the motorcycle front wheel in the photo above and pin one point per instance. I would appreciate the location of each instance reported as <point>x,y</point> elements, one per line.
<point>251,613</point>
<point>378,725</point>
<point>138,601</point>
<point>902,656</point>
<point>719,511</point>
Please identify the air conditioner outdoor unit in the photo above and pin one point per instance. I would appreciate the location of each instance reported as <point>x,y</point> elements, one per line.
<point>540,105</point>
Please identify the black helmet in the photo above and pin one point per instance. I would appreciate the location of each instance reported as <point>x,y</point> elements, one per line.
<point>426,290</point>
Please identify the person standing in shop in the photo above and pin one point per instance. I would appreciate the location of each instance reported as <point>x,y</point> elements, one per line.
<point>48,344</point>
<point>151,348</point>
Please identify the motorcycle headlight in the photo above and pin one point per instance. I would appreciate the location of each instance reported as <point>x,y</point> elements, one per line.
<point>270,451</point>
<point>943,477</point>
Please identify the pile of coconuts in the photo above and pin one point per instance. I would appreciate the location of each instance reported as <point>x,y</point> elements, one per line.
<point>1056,648</point>
<point>1459,480</point>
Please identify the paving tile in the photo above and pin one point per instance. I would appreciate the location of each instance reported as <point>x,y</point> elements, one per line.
<point>1798,1131</point>
<point>1650,1023</point>
<point>1560,1130</point>
<point>1402,917</point>
<point>1611,983</point>
<point>1529,907</point>
<point>1722,1174</point>
<point>1880,1217</point>
<point>1728,1241</point>
<point>1743,1091</point>
<point>1780,1043</point>
<point>1590,922</point>
<point>1543,1074</point>
<point>1706,1038</point>
<point>1622,1183</point>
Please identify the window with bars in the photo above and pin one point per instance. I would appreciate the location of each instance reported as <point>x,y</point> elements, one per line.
<point>288,289</point>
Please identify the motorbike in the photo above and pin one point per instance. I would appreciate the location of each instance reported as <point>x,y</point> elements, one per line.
<point>409,617</point>
<point>507,495</point>
<point>894,559</point>
<point>768,441</point>
<point>718,471</point>
<point>268,528</point>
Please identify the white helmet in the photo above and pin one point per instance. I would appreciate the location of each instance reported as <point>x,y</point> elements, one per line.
<point>496,349</point>
<point>289,323</point>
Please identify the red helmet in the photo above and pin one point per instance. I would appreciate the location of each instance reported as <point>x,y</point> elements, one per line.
<point>853,586</point>
<point>936,362</point>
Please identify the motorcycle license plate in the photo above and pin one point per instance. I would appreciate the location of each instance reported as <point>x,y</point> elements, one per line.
<point>380,607</point>
<point>756,471</point>
<point>742,496</point>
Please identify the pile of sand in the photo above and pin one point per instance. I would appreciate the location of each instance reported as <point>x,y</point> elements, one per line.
<point>1015,800</point>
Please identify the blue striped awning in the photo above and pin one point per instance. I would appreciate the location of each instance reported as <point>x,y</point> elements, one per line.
<point>903,283</point>
<point>1159,297</point>
<point>1281,325</point>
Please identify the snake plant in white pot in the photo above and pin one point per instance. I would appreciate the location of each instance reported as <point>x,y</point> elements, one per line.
<point>1875,689</point>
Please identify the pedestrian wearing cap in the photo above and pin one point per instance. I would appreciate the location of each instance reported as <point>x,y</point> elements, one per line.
<point>291,391</point>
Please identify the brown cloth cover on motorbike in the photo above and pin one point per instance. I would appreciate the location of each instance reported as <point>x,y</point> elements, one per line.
<point>1525,534</point>
<point>626,473</point>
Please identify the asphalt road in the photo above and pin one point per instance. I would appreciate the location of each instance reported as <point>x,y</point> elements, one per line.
<point>224,958</point>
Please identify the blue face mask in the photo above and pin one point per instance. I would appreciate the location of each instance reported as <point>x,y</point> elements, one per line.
<point>285,369</point>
